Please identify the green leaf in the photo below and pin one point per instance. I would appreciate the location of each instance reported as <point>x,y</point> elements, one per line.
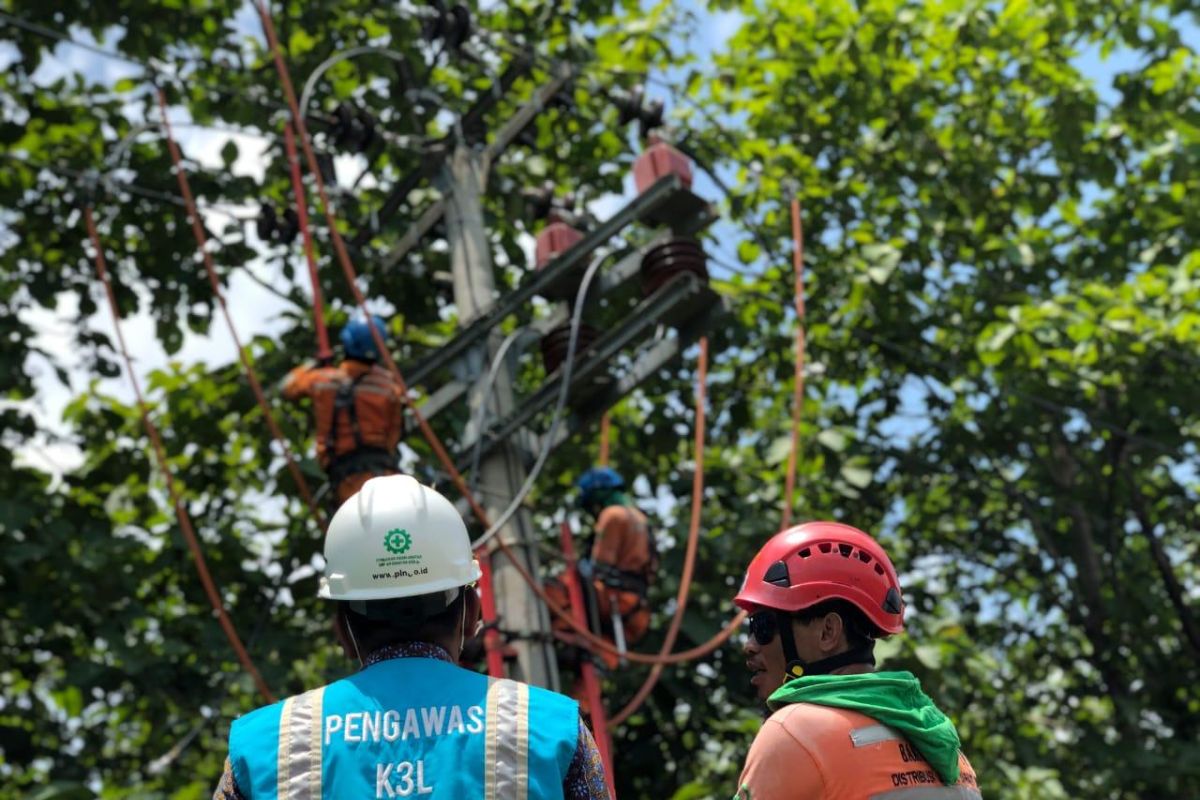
<point>229,153</point>
<point>857,476</point>
<point>833,439</point>
<point>748,251</point>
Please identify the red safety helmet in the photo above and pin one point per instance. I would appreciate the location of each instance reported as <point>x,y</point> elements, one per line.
<point>819,561</point>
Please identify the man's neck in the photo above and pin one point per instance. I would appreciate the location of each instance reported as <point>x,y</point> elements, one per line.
<point>853,669</point>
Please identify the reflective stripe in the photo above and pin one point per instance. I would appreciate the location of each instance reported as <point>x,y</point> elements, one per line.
<point>872,734</point>
<point>506,746</point>
<point>930,793</point>
<point>300,747</point>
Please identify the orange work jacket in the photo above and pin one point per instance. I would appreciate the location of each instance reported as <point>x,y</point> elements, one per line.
<point>623,542</point>
<point>812,752</point>
<point>376,420</point>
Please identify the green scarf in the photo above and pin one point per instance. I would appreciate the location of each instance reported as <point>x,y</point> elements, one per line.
<point>894,699</point>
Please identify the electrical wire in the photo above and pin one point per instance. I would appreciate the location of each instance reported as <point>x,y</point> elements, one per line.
<point>564,392</point>
<point>251,376</point>
<point>343,257</point>
<point>311,83</point>
<point>50,33</point>
<point>725,265</point>
<point>86,177</point>
<point>605,426</point>
<point>798,378</point>
<point>693,542</point>
<point>479,413</point>
<point>324,353</point>
<point>185,521</point>
<point>158,70</point>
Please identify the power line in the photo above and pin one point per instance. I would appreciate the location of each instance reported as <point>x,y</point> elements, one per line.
<point>151,68</point>
<point>728,266</point>
<point>251,375</point>
<point>94,177</point>
<point>50,33</point>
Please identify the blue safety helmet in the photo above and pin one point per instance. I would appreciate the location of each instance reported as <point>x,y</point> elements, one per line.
<point>597,481</point>
<point>358,341</point>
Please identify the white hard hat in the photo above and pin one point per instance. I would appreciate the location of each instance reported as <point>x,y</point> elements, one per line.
<point>396,538</point>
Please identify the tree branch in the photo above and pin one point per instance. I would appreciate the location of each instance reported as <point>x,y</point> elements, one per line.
<point>1170,580</point>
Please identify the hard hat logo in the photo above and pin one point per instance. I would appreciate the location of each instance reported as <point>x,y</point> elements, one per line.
<point>371,550</point>
<point>397,541</point>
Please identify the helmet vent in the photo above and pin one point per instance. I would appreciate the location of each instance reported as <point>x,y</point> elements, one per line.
<point>878,570</point>
<point>777,574</point>
<point>846,550</point>
<point>892,603</point>
<point>825,547</point>
<point>864,557</point>
<point>806,553</point>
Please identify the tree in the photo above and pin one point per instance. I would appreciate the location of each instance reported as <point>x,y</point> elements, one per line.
<point>1005,251</point>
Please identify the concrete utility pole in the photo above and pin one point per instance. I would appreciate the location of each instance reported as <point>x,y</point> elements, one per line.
<point>502,472</point>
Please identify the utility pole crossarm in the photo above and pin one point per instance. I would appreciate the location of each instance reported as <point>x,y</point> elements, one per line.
<point>662,193</point>
<point>504,137</point>
<point>677,303</point>
<point>562,73</point>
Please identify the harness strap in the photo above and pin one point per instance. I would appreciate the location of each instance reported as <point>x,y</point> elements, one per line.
<point>375,460</point>
<point>797,667</point>
<point>620,579</point>
<point>344,400</point>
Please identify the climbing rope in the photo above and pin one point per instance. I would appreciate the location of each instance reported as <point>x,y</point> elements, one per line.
<point>595,642</point>
<point>343,257</point>
<point>218,292</point>
<point>693,540</point>
<point>185,521</point>
<point>324,353</point>
<point>798,380</point>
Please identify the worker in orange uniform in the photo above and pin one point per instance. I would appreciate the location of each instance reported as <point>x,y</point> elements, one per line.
<point>819,595</point>
<point>622,558</point>
<point>358,409</point>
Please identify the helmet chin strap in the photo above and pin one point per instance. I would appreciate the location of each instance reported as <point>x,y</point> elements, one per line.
<point>353,641</point>
<point>798,667</point>
<point>462,639</point>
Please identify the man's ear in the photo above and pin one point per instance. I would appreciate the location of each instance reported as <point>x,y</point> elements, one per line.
<point>474,613</point>
<point>833,632</point>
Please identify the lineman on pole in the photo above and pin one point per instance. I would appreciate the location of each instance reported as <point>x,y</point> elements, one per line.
<point>819,595</point>
<point>358,408</point>
<point>410,722</point>
<point>622,557</point>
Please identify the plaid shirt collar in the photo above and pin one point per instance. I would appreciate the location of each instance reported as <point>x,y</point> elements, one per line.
<point>406,650</point>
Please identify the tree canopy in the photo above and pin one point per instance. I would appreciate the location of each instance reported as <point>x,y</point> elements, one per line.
<point>1003,325</point>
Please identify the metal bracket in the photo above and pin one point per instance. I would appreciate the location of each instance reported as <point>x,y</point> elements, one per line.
<point>677,303</point>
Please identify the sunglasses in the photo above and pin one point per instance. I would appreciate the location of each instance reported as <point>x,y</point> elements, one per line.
<point>764,627</point>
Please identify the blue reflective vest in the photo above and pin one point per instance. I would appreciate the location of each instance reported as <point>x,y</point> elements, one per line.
<point>408,727</point>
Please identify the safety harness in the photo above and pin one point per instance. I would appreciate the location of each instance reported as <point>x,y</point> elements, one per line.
<point>362,458</point>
